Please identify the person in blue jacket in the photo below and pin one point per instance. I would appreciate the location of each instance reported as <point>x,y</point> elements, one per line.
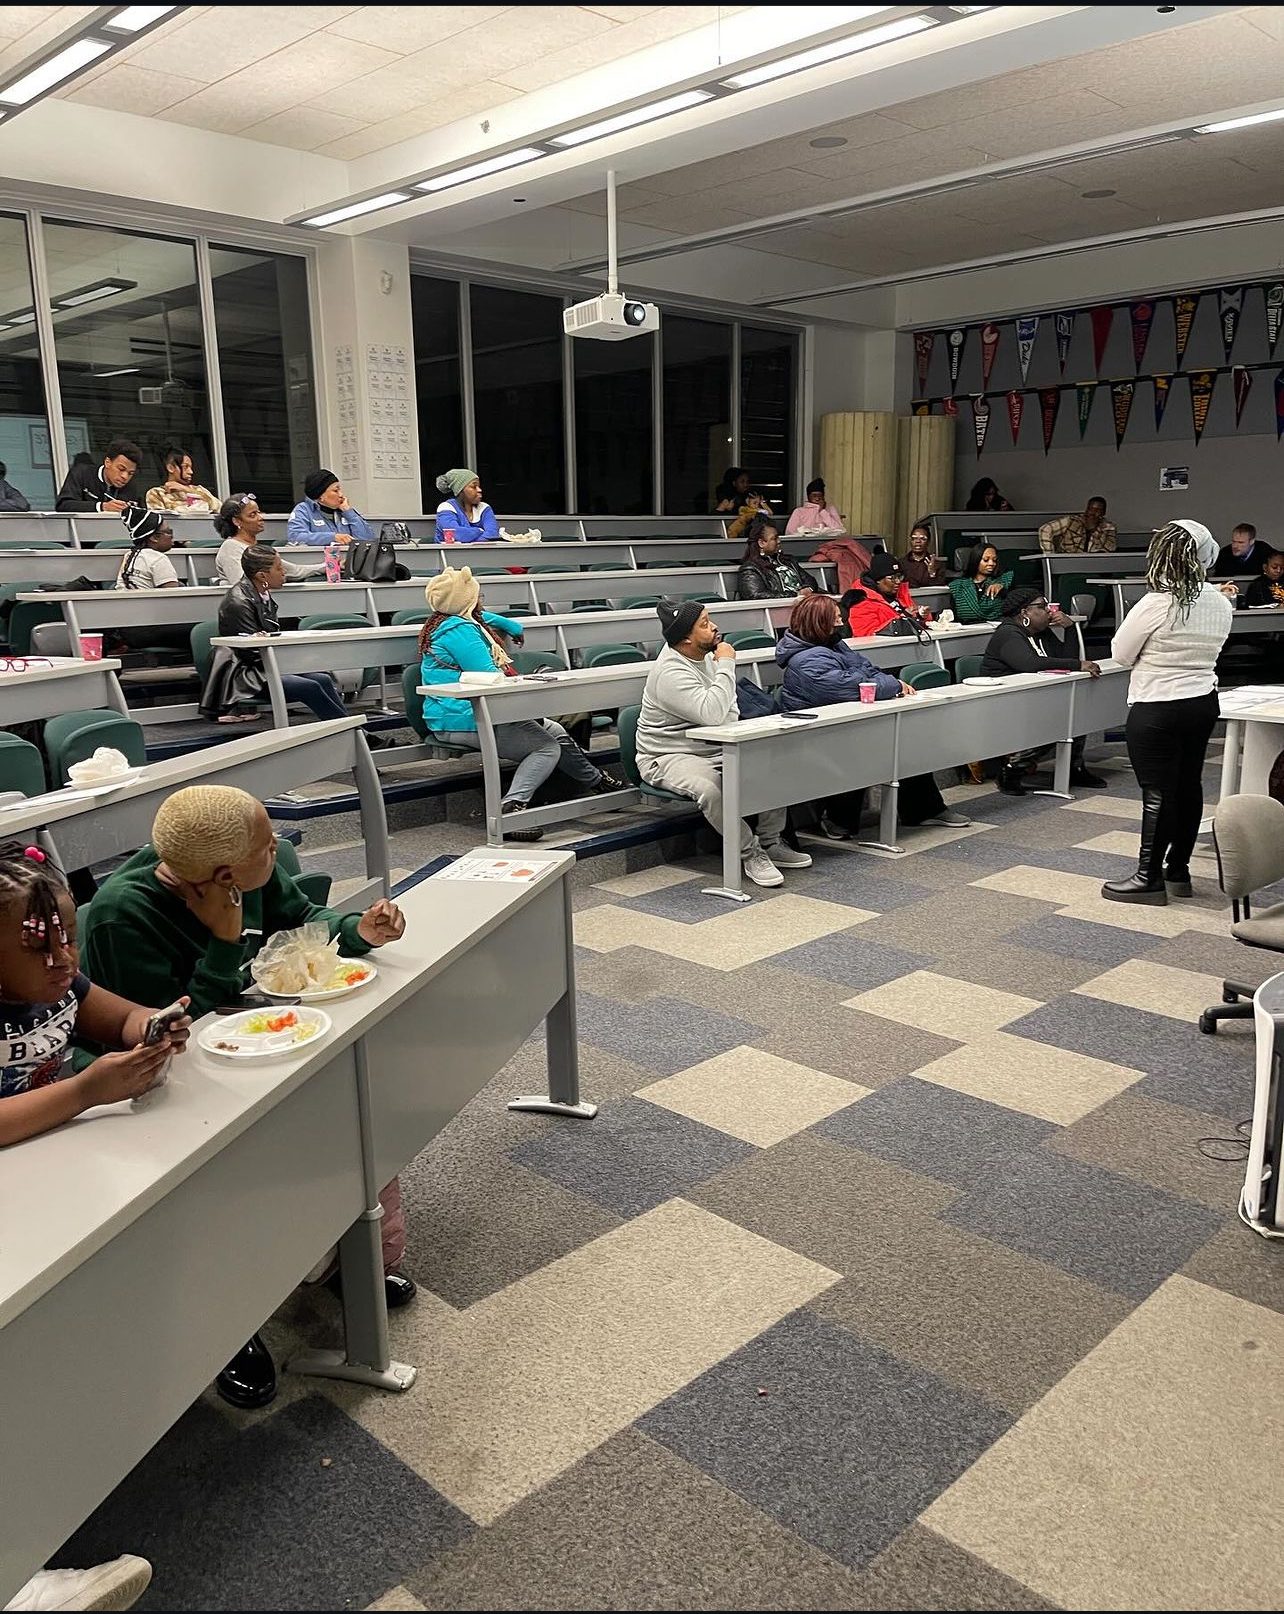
<point>821,669</point>
<point>323,515</point>
<point>458,638</point>
<point>463,516</point>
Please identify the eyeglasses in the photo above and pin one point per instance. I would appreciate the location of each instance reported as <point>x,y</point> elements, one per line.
<point>247,498</point>
<point>18,664</point>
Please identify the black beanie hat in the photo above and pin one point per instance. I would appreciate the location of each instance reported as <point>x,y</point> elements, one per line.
<point>883,565</point>
<point>141,524</point>
<point>677,618</point>
<point>316,482</point>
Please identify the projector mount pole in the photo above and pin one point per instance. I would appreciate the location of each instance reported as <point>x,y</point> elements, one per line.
<point>612,275</point>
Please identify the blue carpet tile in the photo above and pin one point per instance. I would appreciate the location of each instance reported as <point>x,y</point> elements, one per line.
<point>664,1034</point>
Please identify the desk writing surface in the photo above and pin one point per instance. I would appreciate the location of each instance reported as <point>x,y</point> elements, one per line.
<point>64,667</point>
<point>64,1194</point>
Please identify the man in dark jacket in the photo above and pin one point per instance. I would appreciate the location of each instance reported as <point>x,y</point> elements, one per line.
<point>11,501</point>
<point>108,486</point>
<point>766,574</point>
<point>1243,555</point>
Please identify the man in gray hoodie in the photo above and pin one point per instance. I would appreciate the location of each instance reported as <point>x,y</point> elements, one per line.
<point>693,685</point>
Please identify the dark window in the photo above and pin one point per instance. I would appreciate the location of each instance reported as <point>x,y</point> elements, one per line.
<point>24,428</point>
<point>697,412</point>
<point>265,371</point>
<point>614,447</point>
<point>767,412</point>
<point>434,313</point>
<point>517,400</point>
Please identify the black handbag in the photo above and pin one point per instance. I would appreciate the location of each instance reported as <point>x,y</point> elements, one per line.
<point>366,561</point>
<point>900,627</point>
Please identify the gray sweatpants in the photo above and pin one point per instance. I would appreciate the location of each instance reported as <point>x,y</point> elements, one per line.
<point>701,779</point>
<point>537,745</point>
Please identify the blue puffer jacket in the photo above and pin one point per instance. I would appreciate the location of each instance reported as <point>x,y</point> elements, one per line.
<point>452,518</point>
<point>824,675</point>
<point>456,647</point>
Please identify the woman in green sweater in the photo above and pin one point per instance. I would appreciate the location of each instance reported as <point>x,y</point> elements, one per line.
<point>979,594</point>
<point>183,917</point>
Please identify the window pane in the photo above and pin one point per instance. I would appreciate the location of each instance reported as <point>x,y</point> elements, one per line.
<point>517,399</point>
<point>767,412</point>
<point>614,448</point>
<point>24,430</point>
<point>129,356</point>
<point>265,372</point>
<point>434,313</point>
<point>697,412</point>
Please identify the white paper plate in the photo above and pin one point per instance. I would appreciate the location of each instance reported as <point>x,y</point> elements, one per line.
<point>259,1046</point>
<point>100,787</point>
<point>320,995</point>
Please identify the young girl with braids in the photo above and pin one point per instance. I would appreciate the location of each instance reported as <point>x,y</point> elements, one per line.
<point>45,1001</point>
<point>1171,639</point>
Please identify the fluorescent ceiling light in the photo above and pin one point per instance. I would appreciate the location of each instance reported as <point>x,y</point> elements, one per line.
<point>970,11</point>
<point>1241,123</point>
<point>354,210</point>
<point>836,48</point>
<point>26,317</point>
<point>629,120</point>
<point>133,19</point>
<point>491,165</point>
<point>103,375</point>
<point>66,64</point>
<point>112,287</point>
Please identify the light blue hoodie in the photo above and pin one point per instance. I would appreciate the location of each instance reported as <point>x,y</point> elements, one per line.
<point>312,523</point>
<point>458,646</point>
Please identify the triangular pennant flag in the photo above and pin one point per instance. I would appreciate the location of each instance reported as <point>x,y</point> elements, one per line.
<point>1279,406</point>
<point>1242,377</point>
<point>1163,385</point>
<point>922,406</point>
<point>950,407</point>
<point>989,347</point>
<point>924,341</point>
<point>1016,408</point>
<point>1065,331</point>
<point>1230,305</point>
<point>1274,315</point>
<point>1202,383</point>
<point>1049,404</point>
<point>1142,316</point>
<point>980,420</point>
<point>1085,392</point>
<point>956,339</point>
<point>1102,319</point>
<point>1027,329</point>
<point>1121,396</point>
<point>1184,317</point>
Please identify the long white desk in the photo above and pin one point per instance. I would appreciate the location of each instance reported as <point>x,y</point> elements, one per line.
<point>66,685</point>
<point>1254,738</point>
<point>134,1284</point>
<point>775,762</point>
<point>1128,591</point>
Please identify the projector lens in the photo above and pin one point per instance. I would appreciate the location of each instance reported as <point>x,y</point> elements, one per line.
<point>634,313</point>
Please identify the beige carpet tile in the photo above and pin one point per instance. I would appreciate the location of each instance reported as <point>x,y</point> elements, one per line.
<point>1174,920</point>
<point>1156,988</point>
<point>641,884</point>
<point>730,938</point>
<point>1056,1084</point>
<point>1106,807</point>
<point>943,1005</point>
<point>755,1096</point>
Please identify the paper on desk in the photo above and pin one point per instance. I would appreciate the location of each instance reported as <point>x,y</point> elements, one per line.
<point>68,795</point>
<point>488,868</point>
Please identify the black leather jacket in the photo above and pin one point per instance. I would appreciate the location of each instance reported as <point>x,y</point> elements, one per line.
<point>777,579</point>
<point>236,677</point>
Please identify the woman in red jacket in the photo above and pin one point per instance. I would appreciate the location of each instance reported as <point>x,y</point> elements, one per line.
<point>884,598</point>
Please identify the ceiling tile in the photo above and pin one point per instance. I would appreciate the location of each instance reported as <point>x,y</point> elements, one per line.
<point>689,215</point>
<point>595,201</point>
<point>303,127</point>
<point>1063,120</point>
<point>625,13</point>
<point>208,47</point>
<point>406,29</point>
<point>990,95</point>
<point>18,20</point>
<point>126,88</point>
<point>1268,18</point>
<point>664,23</point>
<point>38,31</point>
<point>406,125</point>
<point>527,33</point>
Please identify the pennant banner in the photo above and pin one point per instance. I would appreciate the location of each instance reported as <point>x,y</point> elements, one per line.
<point>950,407</point>
<point>1230,305</point>
<point>989,347</point>
<point>1049,404</point>
<point>980,420</point>
<point>1121,396</point>
<point>1016,408</point>
<point>1163,385</point>
<point>1142,316</point>
<point>1184,316</point>
<point>924,341</point>
<point>922,406</point>
<point>1065,331</point>
<point>1102,319</point>
<point>1027,329</point>
<point>956,339</point>
<point>1243,380</point>
<point>1202,383</point>
<point>1274,315</point>
<point>1279,406</point>
<point>1085,392</point>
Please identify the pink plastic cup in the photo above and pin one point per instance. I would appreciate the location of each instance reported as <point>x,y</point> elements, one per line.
<point>91,646</point>
<point>867,693</point>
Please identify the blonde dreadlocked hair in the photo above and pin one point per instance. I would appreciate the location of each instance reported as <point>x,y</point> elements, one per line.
<point>204,828</point>
<point>1174,566</point>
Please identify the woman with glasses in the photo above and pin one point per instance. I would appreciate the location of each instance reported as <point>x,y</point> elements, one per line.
<point>239,523</point>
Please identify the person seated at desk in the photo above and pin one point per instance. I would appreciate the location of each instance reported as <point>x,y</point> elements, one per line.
<point>985,495</point>
<point>239,523</point>
<point>1243,556</point>
<point>766,574</point>
<point>920,567</point>
<point>1022,644</point>
<point>978,595</point>
<point>1089,533</point>
<point>817,515</point>
<point>109,486</point>
<point>1268,589</point>
<point>821,669</point>
<point>180,493</point>
<point>12,502</point>
<point>238,680</point>
<point>458,638</point>
<point>147,563</point>
<point>184,917</point>
<point>463,516</point>
<point>885,598</point>
<point>692,683</point>
<point>323,515</point>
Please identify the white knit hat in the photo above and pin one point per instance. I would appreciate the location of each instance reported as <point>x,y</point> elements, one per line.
<point>453,593</point>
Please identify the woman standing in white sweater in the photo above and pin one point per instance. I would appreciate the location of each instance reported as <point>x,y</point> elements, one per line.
<point>1171,639</point>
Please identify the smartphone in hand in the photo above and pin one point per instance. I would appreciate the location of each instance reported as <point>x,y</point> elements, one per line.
<point>160,1022</point>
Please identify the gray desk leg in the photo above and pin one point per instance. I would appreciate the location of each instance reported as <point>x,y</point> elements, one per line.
<point>888,827</point>
<point>1232,757</point>
<point>492,779</point>
<point>562,1042</point>
<point>1048,579</point>
<point>365,1358</point>
<point>1060,773</point>
<point>116,696</point>
<point>276,689</point>
<point>732,886</point>
<point>73,626</point>
<point>373,814</point>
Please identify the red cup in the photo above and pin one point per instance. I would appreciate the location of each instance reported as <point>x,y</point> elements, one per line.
<point>867,693</point>
<point>91,646</point>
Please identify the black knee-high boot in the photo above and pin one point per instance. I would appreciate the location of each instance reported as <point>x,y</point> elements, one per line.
<point>1184,835</point>
<point>1147,885</point>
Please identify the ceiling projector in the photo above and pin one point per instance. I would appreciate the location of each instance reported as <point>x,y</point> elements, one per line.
<point>611,317</point>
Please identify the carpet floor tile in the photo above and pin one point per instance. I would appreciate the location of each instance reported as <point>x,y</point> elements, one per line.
<point>1075,938</point>
<point>865,1048</point>
<point>729,939</point>
<point>1156,988</point>
<point>754,1096</point>
<point>942,1004</point>
<point>666,1034</point>
<point>850,959</point>
<point>1054,1084</point>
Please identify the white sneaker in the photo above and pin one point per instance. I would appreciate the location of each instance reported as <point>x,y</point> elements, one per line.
<point>951,818</point>
<point>761,870</point>
<point>118,1584</point>
<point>784,856</point>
